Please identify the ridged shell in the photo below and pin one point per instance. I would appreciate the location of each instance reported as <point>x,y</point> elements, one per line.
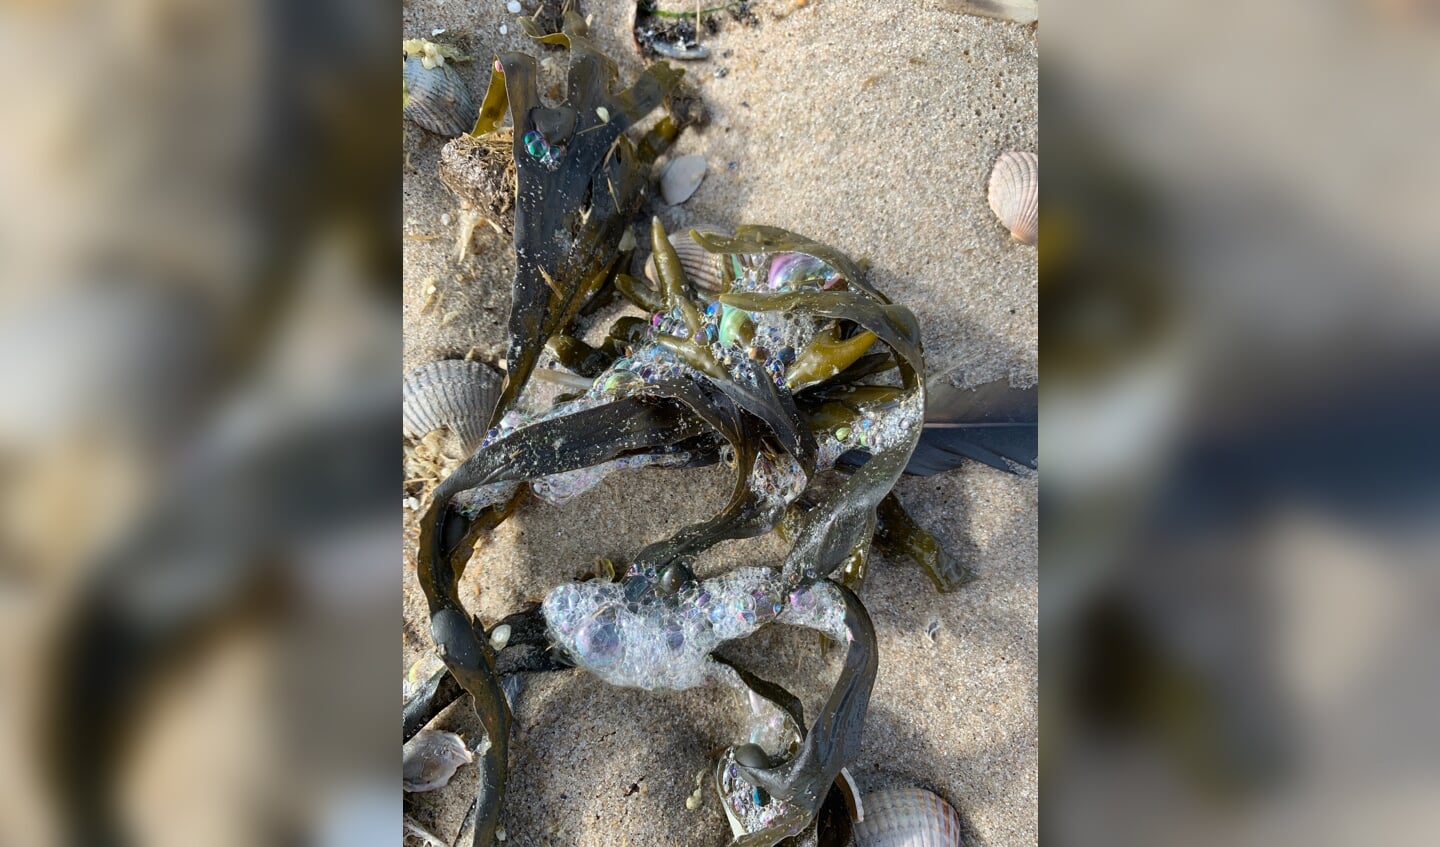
<point>908,817</point>
<point>681,177</point>
<point>1015,194</point>
<point>439,100</point>
<point>454,394</point>
<point>702,269</point>
<point>431,758</point>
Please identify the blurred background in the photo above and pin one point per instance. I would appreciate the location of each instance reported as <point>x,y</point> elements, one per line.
<point>1239,359</point>
<point>199,251</point>
<point>199,315</point>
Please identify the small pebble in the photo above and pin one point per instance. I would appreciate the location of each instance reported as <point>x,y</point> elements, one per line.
<point>437,31</point>
<point>512,7</point>
<point>445,219</point>
<point>500,636</point>
<point>504,30</point>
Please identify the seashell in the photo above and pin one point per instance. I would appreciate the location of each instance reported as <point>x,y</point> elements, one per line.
<point>681,177</point>
<point>1015,194</point>
<point>431,758</point>
<point>667,28</point>
<point>908,817</point>
<point>438,99</point>
<point>1019,11</point>
<point>702,268</point>
<point>681,52</point>
<point>454,394</point>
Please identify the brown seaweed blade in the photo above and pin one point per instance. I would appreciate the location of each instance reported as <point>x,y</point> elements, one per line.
<point>835,739</point>
<point>570,212</point>
<point>898,534</point>
<point>826,535</point>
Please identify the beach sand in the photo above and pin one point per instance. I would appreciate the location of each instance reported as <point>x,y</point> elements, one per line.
<point>871,127</point>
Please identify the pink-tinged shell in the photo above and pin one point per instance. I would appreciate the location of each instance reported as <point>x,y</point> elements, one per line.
<point>908,817</point>
<point>1015,194</point>
<point>702,269</point>
<point>452,393</point>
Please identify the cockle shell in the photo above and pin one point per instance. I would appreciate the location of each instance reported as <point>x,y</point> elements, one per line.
<point>431,758</point>
<point>1015,194</point>
<point>907,817</point>
<point>454,394</point>
<point>438,99</point>
<point>681,177</point>
<point>702,268</point>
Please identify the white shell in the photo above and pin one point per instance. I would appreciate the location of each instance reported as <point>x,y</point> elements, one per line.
<point>681,177</point>
<point>431,758</point>
<point>702,268</point>
<point>454,394</point>
<point>1019,11</point>
<point>1015,194</point>
<point>908,817</point>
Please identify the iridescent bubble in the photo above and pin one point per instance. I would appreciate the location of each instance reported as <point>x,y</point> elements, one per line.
<point>802,599</point>
<point>535,144</point>
<point>560,606</point>
<point>674,635</point>
<point>598,641</point>
<point>795,271</point>
<point>745,609</point>
<point>766,606</point>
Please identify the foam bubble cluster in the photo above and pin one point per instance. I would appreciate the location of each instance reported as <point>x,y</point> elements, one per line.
<point>626,634</point>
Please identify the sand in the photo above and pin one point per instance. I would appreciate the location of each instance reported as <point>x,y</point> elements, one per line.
<point>871,127</point>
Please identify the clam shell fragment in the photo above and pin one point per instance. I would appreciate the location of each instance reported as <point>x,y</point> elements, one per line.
<point>908,817</point>
<point>454,394</point>
<point>681,177</point>
<point>438,99</point>
<point>1015,194</point>
<point>431,759</point>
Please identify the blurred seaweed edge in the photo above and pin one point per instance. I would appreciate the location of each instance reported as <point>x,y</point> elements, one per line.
<point>199,312</point>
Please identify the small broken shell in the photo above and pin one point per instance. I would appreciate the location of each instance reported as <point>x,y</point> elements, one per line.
<point>1019,11</point>
<point>438,99</point>
<point>1015,194</point>
<point>452,393</point>
<point>681,52</point>
<point>681,177</point>
<point>702,268</point>
<point>908,817</point>
<point>431,758</point>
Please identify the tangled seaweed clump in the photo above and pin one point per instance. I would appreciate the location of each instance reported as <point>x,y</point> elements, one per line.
<point>793,370</point>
